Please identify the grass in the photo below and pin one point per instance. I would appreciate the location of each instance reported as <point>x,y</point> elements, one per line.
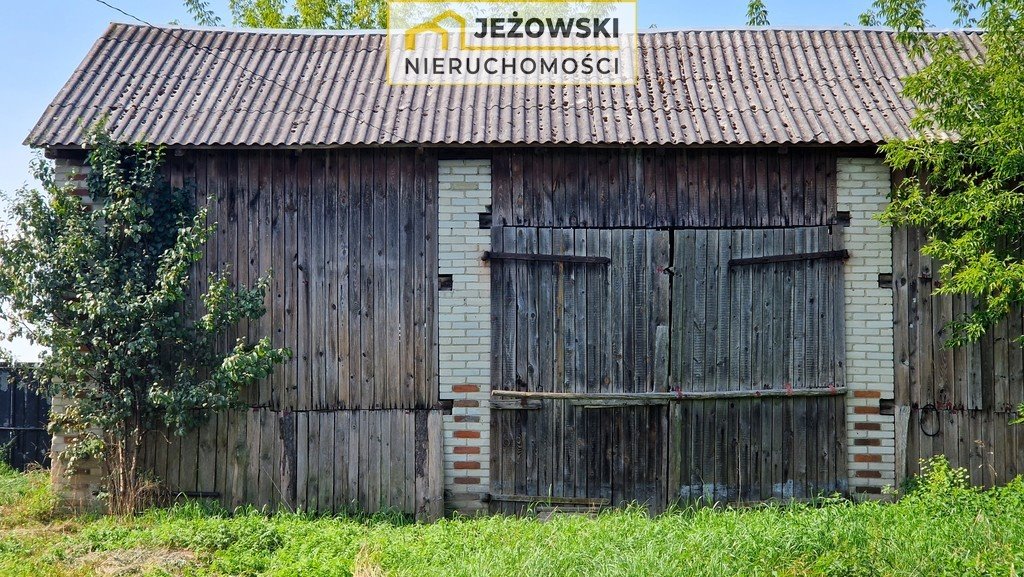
<point>940,527</point>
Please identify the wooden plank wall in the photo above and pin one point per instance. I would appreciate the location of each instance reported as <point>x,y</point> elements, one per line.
<point>585,328</point>
<point>756,327</point>
<point>24,413</point>
<point>353,420</point>
<point>954,402</point>
<point>666,187</point>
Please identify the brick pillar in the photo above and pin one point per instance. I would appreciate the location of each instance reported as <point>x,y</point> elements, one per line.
<point>464,330</point>
<point>862,186</point>
<point>77,488</point>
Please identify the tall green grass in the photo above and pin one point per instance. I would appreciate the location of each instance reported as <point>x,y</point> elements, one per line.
<point>941,526</point>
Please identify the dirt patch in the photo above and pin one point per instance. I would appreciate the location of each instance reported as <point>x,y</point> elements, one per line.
<point>366,563</point>
<point>138,561</point>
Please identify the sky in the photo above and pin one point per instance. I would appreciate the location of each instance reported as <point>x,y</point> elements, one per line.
<point>42,42</point>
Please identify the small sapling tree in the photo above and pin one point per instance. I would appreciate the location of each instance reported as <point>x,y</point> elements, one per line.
<point>102,285</point>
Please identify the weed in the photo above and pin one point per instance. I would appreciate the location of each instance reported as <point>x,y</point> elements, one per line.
<point>940,526</point>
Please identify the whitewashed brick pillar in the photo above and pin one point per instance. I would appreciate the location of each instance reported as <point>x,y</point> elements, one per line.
<point>464,329</point>
<point>77,488</point>
<point>862,186</point>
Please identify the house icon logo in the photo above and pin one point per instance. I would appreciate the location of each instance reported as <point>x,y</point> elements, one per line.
<point>434,26</point>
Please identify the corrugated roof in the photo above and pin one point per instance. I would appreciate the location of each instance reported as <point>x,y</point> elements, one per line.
<point>179,86</point>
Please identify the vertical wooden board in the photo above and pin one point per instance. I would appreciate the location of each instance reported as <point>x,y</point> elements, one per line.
<point>549,423</point>
<point>268,475</point>
<point>560,466</point>
<point>407,371</point>
<point>302,468</point>
<point>430,373</point>
<point>260,208</point>
<point>509,270</point>
<point>239,462</point>
<point>1000,364</point>
<point>545,191</point>
<point>317,271</point>
<point>367,284</point>
<point>528,290</point>
<point>326,472</point>
<point>252,457</point>
<point>423,241</point>
<point>356,437</point>
<point>813,201</point>
<point>394,396</point>
<point>686,311</point>
<point>399,482</point>
<point>303,278</point>
<point>309,460</point>
<point>331,307</point>
<point>831,189</point>
<point>422,443</point>
<point>279,279</point>
<point>375,461</point>
<point>659,317</point>
<point>288,460</point>
<point>717,300</point>
<point>501,176</point>
<point>517,197</point>
<point>379,290</point>
<point>207,472</point>
<point>292,282</point>
<point>529,184</point>
<point>366,453</point>
<point>580,333</point>
<point>386,459</point>
<point>725,414</point>
<point>188,474</point>
<point>354,268</point>
<point>676,453</point>
<point>435,465</point>
<point>615,352</point>
<point>339,463</point>
<point>409,426</point>
<point>564,243</point>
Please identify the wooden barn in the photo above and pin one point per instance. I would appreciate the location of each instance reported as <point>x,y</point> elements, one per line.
<point>508,296</point>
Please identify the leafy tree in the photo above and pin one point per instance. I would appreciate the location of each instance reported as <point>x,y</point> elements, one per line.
<point>757,13</point>
<point>103,287</point>
<point>968,148</point>
<point>321,14</point>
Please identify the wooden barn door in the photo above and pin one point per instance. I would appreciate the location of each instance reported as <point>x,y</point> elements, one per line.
<point>757,329</point>
<point>660,366</point>
<point>578,313</point>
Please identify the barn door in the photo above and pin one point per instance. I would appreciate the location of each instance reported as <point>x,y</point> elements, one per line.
<point>578,312</point>
<point>757,310</point>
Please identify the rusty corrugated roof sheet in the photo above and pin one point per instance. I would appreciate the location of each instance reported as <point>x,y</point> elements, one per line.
<point>179,86</point>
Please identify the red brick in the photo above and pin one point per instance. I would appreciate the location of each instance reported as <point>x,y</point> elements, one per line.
<point>868,490</point>
<point>466,404</point>
<point>467,465</point>
<point>867,458</point>
<point>869,474</point>
<point>467,480</point>
<point>867,426</point>
<point>467,419</point>
<point>467,434</point>
<point>867,394</point>
<point>465,388</point>
<point>867,442</point>
<point>865,410</point>
<point>466,450</point>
